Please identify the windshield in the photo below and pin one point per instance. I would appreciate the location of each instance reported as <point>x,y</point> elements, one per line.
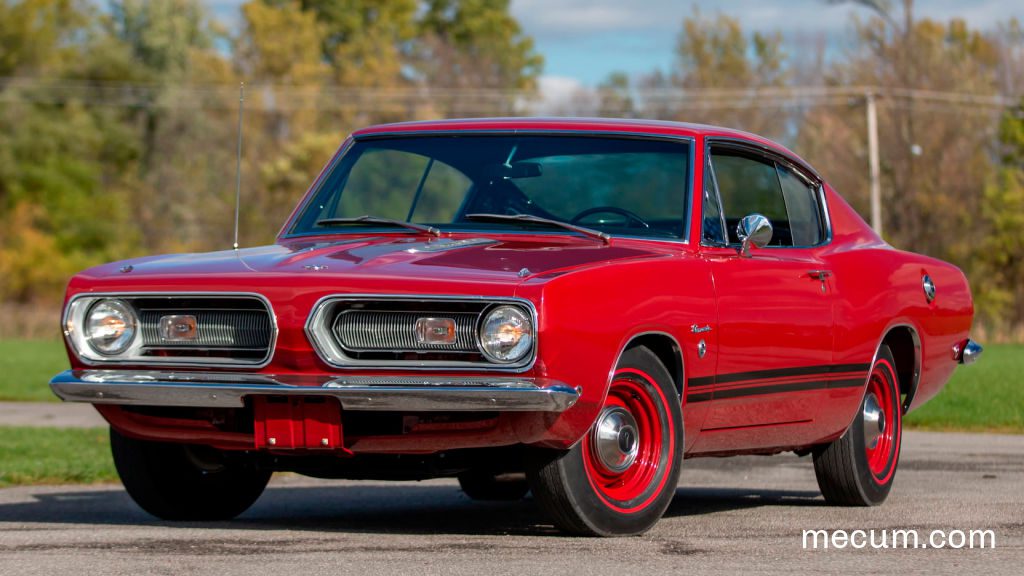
<point>620,186</point>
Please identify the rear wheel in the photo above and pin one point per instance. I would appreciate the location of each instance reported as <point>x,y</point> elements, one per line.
<point>185,482</point>
<point>619,479</point>
<point>858,469</point>
<point>485,485</point>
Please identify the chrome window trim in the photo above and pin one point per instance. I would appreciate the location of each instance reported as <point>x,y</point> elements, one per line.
<point>179,361</point>
<point>318,332</point>
<point>802,170</point>
<point>287,230</point>
<point>717,199</point>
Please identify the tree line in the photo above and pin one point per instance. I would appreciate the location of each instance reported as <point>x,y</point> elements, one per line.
<point>118,122</point>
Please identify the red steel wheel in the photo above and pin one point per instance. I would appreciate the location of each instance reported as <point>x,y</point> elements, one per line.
<point>880,415</point>
<point>624,451</point>
<point>620,478</point>
<point>858,469</point>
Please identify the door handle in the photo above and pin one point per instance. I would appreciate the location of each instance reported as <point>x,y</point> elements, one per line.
<point>819,274</point>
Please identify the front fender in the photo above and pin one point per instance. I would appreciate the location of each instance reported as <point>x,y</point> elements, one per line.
<point>588,317</point>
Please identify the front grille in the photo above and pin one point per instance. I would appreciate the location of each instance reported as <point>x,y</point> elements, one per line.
<point>234,329</point>
<point>366,331</point>
<point>381,332</point>
<point>214,328</point>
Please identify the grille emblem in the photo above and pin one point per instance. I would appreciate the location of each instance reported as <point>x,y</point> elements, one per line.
<point>435,330</point>
<point>179,328</point>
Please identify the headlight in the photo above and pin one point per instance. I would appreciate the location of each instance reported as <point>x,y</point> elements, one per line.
<point>506,334</point>
<point>110,327</point>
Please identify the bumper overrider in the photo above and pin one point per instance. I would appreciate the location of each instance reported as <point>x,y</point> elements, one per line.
<point>360,393</point>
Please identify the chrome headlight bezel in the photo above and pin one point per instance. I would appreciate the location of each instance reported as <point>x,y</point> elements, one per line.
<point>516,317</point>
<point>77,307</point>
<point>119,311</point>
<point>76,328</point>
<point>319,333</point>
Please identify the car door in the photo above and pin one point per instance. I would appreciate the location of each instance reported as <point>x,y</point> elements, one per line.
<point>775,316</point>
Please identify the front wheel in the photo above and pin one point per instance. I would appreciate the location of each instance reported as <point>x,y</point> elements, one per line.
<point>858,469</point>
<point>184,482</point>
<point>619,479</point>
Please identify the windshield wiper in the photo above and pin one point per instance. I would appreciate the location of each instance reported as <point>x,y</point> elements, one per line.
<point>596,234</point>
<point>367,220</point>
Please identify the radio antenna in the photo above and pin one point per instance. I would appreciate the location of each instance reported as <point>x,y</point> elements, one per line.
<point>238,164</point>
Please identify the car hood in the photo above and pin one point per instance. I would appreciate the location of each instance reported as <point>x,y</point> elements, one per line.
<point>482,259</point>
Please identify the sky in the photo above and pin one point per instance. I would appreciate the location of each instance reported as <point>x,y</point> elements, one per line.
<point>584,40</point>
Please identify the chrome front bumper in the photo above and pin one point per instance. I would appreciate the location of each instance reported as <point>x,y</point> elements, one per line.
<point>399,394</point>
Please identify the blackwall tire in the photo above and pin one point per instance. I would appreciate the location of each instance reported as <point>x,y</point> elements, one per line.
<point>621,477</point>
<point>858,469</point>
<point>181,482</point>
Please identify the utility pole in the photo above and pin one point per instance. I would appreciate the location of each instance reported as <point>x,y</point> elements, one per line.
<point>873,169</point>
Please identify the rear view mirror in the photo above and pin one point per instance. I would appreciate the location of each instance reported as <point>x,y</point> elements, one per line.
<point>513,171</point>
<point>755,230</point>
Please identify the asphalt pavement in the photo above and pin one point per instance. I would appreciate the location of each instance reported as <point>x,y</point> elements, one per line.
<point>50,415</point>
<point>730,516</point>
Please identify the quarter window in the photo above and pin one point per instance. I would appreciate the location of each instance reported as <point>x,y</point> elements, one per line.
<point>805,223</point>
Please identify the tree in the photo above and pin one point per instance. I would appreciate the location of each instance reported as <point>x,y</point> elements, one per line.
<point>715,53</point>
<point>363,40</point>
<point>614,98</point>
<point>281,43</point>
<point>476,44</point>
<point>1000,256</point>
<point>933,161</point>
<point>36,34</point>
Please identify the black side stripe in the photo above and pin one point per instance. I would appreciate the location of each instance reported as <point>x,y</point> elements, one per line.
<point>777,373</point>
<point>787,387</point>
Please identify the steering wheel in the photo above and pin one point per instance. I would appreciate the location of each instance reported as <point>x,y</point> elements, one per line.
<point>631,217</point>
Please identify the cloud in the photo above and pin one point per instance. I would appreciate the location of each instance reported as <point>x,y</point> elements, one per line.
<point>557,94</point>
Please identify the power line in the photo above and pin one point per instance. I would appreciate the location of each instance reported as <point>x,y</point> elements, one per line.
<point>267,97</point>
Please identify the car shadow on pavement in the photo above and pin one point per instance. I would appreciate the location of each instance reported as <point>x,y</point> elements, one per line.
<point>708,500</point>
<point>421,509</point>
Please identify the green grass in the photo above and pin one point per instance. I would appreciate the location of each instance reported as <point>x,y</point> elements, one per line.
<point>55,456</point>
<point>985,397</point>
<point>26,367</point>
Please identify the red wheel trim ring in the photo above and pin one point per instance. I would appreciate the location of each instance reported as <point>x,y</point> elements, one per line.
<point>643,466</point>
<point>881,458</point>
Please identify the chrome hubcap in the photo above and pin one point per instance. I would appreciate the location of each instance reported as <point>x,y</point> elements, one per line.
<point>616,440</point>
<point>874,421</point>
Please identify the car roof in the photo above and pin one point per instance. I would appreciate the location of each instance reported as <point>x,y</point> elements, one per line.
<point>602,125</point>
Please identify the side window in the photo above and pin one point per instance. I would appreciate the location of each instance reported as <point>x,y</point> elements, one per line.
<point>712,232</point>
<point>750,185</point>
<point>805,223</point>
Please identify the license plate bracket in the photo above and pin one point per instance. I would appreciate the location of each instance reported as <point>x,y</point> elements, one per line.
<point>297,423</point>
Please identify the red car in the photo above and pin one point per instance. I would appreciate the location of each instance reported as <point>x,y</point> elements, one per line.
<point>565,306</point>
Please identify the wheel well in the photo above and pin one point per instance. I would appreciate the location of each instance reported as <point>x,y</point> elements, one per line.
<point>667,350</point>
<point>906,349</point>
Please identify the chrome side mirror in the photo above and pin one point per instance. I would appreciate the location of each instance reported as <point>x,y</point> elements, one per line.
<point>753,229</point>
